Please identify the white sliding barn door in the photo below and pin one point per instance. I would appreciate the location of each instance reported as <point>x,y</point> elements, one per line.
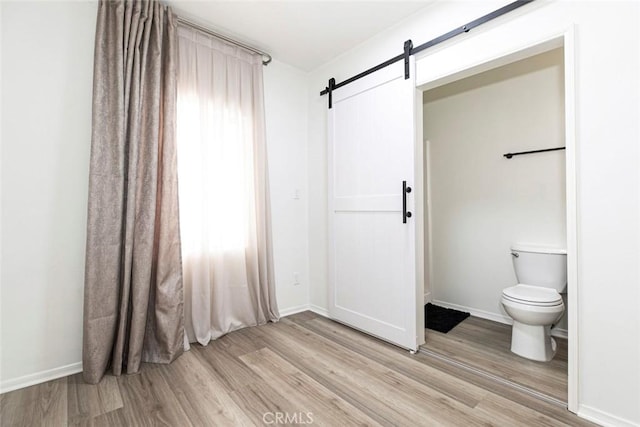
<point>372,285</point>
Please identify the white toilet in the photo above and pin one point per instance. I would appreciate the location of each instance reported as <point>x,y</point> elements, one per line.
<point>535,303</point>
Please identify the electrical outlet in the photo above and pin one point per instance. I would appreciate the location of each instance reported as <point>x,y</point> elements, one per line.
<point>296,279</point>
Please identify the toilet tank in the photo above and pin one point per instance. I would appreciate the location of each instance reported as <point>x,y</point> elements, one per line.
<point>540,266</point>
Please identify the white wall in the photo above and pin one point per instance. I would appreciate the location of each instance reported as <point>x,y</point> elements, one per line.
<point>482,203</point>
<point>286,114</point>
<point>47,67</point>
<point>607,61</point>
<point>47,62</point>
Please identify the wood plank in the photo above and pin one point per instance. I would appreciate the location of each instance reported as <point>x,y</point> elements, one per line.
<point>485,345</point>
<point>149,400</point>
<point>236,343</point>
<point>201,393</point>
<point>404,399</point>
<point>229,370</point>
<point>362,399</point>
<point>259,399</point>
<point>309,399</point>
<point>393,357</point>
<point>86,401</point>
<point>515,396</point>
<point>303,316</point>
<point>43,404</point>
<point>109,419</point>
<point>500,411</point>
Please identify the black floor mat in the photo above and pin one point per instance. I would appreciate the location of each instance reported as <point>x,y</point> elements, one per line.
<point>442,319</point>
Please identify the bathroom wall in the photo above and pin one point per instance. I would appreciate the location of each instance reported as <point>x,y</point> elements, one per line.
<point>481,203</point>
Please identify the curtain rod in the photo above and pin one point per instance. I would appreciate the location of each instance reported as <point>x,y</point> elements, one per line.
<point>266,58</point>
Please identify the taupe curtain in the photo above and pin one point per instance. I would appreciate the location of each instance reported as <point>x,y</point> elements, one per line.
<point>133,302</point>
<point>224,188</point>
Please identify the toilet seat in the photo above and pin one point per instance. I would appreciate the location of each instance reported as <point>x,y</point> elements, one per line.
<point>532,295</point>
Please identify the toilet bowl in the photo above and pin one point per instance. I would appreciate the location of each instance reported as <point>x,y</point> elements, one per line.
<point>535,304</point>
<point>532,319</point>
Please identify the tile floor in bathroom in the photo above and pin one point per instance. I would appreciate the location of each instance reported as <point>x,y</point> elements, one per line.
<point>484,344</point>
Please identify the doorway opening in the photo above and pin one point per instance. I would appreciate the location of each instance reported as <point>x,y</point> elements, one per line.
<point>479,205</point>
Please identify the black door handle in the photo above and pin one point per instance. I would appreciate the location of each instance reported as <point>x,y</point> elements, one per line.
<point>405,190</point>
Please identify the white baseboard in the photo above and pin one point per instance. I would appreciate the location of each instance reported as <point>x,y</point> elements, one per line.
<point>603,418</point>
<point>40,377</point>
<point>319,310</point>
<point>560,333</point>
<point>427,297</point>
<point>496,317</point>
<point>306,307</point>
<point>293,310</point>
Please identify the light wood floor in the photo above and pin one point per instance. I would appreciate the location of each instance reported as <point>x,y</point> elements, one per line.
<point>485,345</point>
<point>302,364</point>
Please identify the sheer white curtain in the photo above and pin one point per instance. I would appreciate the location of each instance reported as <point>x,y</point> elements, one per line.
<point>223,188</point>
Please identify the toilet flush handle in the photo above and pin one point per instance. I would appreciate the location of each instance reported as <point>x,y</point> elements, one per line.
<point>515,254</point>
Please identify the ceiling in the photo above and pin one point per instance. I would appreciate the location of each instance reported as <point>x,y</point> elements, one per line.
<point>305,34</point>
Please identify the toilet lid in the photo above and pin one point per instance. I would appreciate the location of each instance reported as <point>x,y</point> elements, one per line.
<point>533,295</point>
